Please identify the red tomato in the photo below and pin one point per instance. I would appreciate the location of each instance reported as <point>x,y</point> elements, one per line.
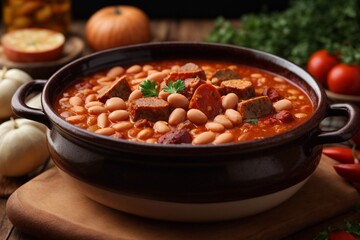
<point>344,79</point>
<point>319,65</point>
<point>341,154</point>
<point>340,235</point>
<point>349,171</point>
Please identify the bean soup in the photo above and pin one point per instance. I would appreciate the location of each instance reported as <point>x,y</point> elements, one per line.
<point>185,102</point>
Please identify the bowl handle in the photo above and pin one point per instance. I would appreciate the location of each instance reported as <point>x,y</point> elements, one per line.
<point>346,132</point>
<point>19,106</point>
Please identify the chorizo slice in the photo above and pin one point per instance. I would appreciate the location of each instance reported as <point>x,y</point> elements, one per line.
<point>207,99</point>
<point>272,93</point>
<point>151,108</point>
<point>256,107</point>
<point>284,116</point>
<point>191,84</point>
<point>244,89</point>
<point>119,88</point>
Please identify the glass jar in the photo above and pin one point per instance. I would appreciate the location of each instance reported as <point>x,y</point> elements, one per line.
<point>49,14</point>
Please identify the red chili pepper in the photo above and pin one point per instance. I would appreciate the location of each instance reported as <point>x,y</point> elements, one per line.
<point>340,235</point>
<point>349,171</point>
<point>340,154</point>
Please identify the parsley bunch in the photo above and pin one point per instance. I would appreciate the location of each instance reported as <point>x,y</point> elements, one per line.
<point>148,88</point>
<point>295,33</point>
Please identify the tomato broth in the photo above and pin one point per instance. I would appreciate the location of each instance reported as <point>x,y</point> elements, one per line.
<point>185,102</point>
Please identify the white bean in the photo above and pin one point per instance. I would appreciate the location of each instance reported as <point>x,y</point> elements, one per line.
<point>96,110</point>
<point>115,71</point>
<point>177,100</point>
<point>177,116</point>
<point>196,116</point>
<point>215,127</point>
<point>135,95</point>
<point>204,138</point>
<point>145,133</point>
<point>119,115</point>
<point>105,131</point>
<point>283,104</point>
<point>102,120</point>
<point>234,116</point>
<point>224,138</point>
<point>134,69</point>
<point>93,103</point>
<point>122,126</point>
<point>230,101</point>
<point>161,127</point>
<point>157,76</point>
<point>115,103</point>
<point>163,95</point>
<point>76,101</point>
<point>222,119</point>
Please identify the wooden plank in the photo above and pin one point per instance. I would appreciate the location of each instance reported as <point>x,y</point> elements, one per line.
<point>160,29</point>
<point>70,215</point>
<point>190,30</point>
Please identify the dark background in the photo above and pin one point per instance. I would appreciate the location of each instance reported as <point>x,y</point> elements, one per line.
<point>160,9</point>
<point>82,9</point>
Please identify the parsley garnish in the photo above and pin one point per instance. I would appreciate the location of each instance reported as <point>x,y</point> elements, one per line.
<point>148,88</point>
<point>252,121</point>
<point>174,87</point>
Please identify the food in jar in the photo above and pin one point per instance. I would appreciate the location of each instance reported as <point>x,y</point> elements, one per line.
<point>185,102</point>
<point>54,15</point>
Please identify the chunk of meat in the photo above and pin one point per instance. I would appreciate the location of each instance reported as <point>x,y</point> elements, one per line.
<point>272,94</point>
<point>189,70</point>
<point>207,99</point>
<point>191,84</point>
<point>152,109</point>
<point>177,136</point>
<point>255,107</point>
<point>222,75</point>
<point>186,124</point>
<point>284,116</point>
<point>244,89</point>
<point>119,88</point>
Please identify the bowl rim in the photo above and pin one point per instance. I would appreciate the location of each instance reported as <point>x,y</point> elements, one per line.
<point>83,136</point>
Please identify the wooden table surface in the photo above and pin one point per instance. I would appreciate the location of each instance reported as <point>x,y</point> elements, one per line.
<point>164,30</point>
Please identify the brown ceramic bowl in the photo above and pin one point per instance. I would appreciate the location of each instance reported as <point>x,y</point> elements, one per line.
<point>186,182</point>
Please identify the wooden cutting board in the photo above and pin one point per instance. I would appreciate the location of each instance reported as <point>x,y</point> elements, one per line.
<point>47,208</point>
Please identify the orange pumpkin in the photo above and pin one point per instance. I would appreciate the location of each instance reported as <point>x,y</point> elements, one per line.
<point>115,26</point>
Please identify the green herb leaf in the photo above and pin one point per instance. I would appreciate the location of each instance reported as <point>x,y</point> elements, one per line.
<point>148,88</point>
<point>298,31</point>
<point>323,235</point>
<point>252,121</point>
<point>174,87</point>
<point>352,226</point>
